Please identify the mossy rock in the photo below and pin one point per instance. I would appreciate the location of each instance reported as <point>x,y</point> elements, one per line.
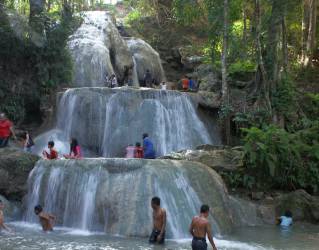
<point>15,167</point>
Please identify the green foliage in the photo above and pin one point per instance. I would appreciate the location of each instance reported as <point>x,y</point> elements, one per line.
<point>276,158</point>
<point>284,99</point>
<point>242,66</point>
<point>33,65</point>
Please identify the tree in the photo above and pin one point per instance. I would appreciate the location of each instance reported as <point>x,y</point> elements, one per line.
<point>309,26</point>
<point>225,88</point>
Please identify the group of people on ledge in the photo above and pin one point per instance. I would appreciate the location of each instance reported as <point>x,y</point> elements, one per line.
<point>146,152</point>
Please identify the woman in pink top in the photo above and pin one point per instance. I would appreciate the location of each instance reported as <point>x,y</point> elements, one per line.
<point>75,150</point>
<point>130,151</point>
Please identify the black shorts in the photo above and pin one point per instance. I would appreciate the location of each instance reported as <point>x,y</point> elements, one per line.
<point>153,237</point>
<point>4,142</point>
<point>199,243</point>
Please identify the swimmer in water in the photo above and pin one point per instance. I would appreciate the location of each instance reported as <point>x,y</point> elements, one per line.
<point>2,225</point>
<point>159,222</point>
<point>199,228</point>
<point>46,220</point>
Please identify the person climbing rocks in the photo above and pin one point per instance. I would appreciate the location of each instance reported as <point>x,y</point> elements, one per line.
<point>185,83</point>
<point>46,220</point>
<point>149,152</point>
<point>130,150</point>
<point>138,151</point>
<point>285,220</point>
<point>114,83</point>
<point>159,222</point>
<point>2,225</point>
<point>28,142</point>
<point>199,228</point>
<point>148,80</point>
<point>53,154</point>
<point>75,150</point>
<point>6,130</point>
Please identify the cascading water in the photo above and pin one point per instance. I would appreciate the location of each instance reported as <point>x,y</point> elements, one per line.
<point>113,195</point>
<point>146,58</point>
<point>105,120</point>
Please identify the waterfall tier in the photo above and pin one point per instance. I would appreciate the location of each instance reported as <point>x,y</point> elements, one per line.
<point>106,120</point>
<point>98,51</point>
<point>113,195</point>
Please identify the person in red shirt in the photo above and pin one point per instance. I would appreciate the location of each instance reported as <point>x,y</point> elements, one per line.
<point>185,83</point>
<point>53,154</point>
<point>6,129</point>
<point>139,151</point>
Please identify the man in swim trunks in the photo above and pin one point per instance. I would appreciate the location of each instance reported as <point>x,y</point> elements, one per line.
<point>46,220</point>
<point>199,228</point>
<point>159,222</point>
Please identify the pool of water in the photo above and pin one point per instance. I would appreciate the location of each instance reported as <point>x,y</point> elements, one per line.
<point>30,237</point>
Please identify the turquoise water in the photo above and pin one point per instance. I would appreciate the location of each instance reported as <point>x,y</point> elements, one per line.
<point>30,237</point>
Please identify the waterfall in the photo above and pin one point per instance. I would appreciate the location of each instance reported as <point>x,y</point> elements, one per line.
<point>98,51</point>
<point>113,195</point>
<point>146,58</point>
<point>106,120</point>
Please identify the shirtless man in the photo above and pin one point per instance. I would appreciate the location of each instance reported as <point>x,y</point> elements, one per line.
<point>159,222</point>
<point>46,220</point>
<point>2,225</point>
<point>199,228</point>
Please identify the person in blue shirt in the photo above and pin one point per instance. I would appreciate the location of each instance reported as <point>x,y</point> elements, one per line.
<point>149,152</point>
<point>285,220</point>
<point>191,84</point>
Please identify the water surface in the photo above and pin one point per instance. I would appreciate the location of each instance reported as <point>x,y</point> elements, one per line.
<point>30,236</point>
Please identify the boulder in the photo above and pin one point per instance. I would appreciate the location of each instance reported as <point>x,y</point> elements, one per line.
<point>207,78</point>
<point>11,209</point>
<point>218,158</point>
<point>15,167</point>
<point>207,100</point>
<point>303,206</point>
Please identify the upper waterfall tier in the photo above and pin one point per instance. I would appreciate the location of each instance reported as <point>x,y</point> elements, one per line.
<point>113,195</point>
<point>98,51</point>
<point>106,120</point>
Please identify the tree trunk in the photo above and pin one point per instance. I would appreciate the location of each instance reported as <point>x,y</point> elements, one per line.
<point>261,79</point>
<point>309,25</point>
<point>36,19</point>
<point>245,28</point>
<point>284,46</point>
<point>225,89</point>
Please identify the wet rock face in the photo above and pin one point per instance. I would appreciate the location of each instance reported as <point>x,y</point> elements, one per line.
<point>218,158</point>
<point>303,206</point>
<point>98,50</point>
<point>113,195</point>
<point>146,58</point>
<point>15,167</point>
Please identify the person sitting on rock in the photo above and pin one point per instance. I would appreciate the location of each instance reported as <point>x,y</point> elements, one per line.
<point>163,86</point>
<point>285,220</point>
<point>185,83</point>
<point>149,152</point>
<point>130,150</point>
<point>148,79</point>
<point>114,83</point>
<point>27,142</point>
<point>75,150</point>
<point>46,220</point>
<point>53,154</point>
<point>191,84</point>
<point>138,151</point>
<point>6,130</point>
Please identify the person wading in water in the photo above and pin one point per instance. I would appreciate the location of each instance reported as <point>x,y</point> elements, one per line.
<point>199,228</point>
<point>159,222</point>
